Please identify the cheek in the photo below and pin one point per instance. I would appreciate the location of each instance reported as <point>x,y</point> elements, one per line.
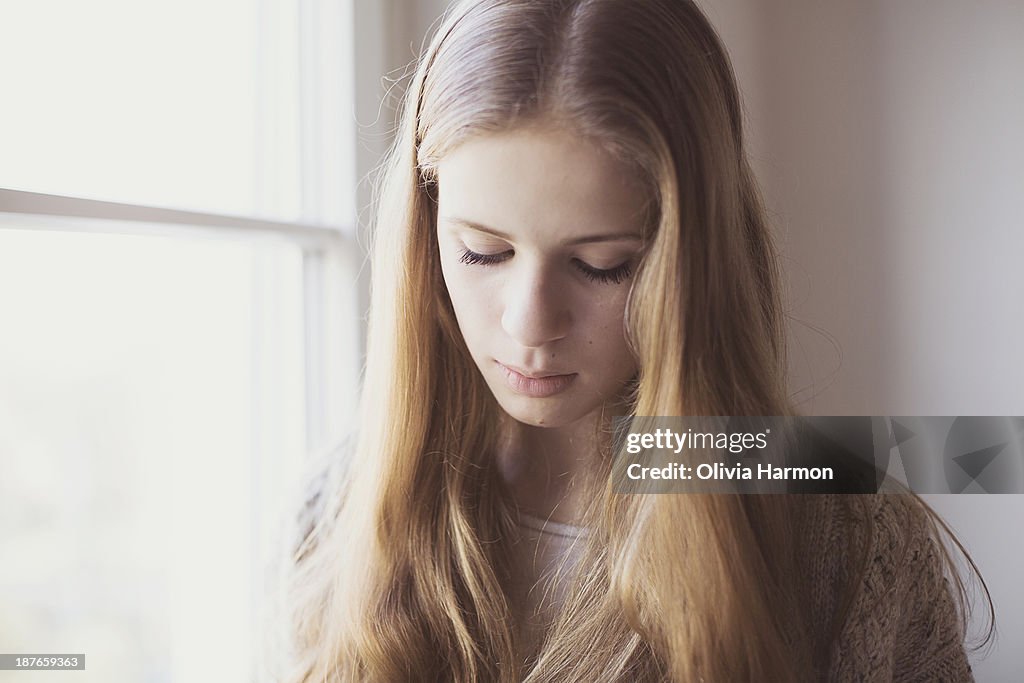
<point>455,278</point>
<point>603,320</point>
<point>471,309</point>
<point>604,340</point>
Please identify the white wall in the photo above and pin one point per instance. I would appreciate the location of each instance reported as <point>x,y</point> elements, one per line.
<point>888,139</point>
<point>892,138</point>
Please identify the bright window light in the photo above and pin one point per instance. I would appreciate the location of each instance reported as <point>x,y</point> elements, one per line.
<point>131,503</point>
<point>151,102</point>
<point>164,376</point>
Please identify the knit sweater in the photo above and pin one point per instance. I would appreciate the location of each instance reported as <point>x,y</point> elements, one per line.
<point>902,624</point>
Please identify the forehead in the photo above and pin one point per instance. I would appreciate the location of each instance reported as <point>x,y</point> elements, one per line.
<point>540,182</point>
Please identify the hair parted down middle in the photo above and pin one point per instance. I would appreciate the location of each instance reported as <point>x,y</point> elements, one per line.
<point>401,578</point>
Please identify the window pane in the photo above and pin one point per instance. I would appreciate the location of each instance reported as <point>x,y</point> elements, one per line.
<point>151,404</point>
<point>188,104</point>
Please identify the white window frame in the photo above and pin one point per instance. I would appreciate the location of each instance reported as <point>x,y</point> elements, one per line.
<point>326,231</point>
<point>345,130</point>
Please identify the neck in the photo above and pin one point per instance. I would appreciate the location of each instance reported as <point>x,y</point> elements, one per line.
<point>548,470</point>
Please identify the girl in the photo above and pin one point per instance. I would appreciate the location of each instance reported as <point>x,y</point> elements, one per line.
<point>569,230</point>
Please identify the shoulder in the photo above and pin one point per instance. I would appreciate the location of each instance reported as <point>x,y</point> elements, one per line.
<point>881,577</point>
<point>321,489</point>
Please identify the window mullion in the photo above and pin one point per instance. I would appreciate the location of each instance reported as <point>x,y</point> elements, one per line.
<point>104,216</point>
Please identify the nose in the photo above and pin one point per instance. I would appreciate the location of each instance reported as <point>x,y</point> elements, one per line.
<point>536,310</point>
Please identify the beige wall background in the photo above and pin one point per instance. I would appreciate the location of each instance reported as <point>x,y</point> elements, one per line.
<point>888,140</point>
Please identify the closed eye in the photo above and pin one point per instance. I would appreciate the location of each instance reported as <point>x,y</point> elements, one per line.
<point>472,258</point>
<point>614,275</point>
<point>606,276</point>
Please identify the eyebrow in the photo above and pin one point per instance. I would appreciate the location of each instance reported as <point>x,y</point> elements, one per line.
<point>586,239</point>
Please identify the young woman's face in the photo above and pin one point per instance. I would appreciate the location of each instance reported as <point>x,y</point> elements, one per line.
<point>539,233</point>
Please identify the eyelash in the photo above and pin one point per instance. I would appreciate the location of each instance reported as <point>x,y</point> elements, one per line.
<point>611,276</point>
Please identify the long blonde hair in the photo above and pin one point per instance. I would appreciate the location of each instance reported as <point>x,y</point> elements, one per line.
<point>401,578</point>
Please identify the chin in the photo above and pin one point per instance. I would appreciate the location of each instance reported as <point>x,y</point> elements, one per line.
<point>538,414</point>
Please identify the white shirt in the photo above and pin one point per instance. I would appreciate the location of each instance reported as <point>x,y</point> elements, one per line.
<point>544,559</point>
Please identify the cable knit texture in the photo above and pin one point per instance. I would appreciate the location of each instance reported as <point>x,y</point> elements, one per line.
<point>902,623</point>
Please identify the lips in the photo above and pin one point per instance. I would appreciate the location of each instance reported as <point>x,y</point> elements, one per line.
<point>536,383</point>
<point>534,374</point>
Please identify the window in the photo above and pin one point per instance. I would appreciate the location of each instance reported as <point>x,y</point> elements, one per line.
<point>178,326</point>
